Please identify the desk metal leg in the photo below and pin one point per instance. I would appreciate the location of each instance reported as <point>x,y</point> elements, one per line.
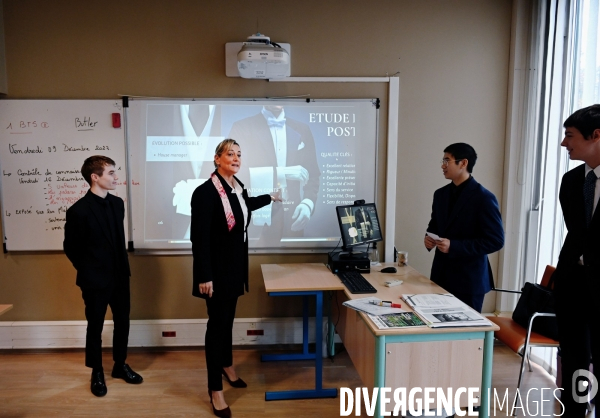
<point>486,379</point>
<point>305,355</point>
<point>318,392</point>
<point>379,370</point>
<point>330,330</point>
<point>305,325</point>
<point>319,342</point>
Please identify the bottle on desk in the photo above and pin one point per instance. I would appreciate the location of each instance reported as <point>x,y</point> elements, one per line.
<point>374,255</point>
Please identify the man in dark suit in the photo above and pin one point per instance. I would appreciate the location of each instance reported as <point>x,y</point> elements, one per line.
<point>577,275</point>
<point>466,218</point>
<point>363,220</point>
<point>95,244</point>
<point>274,141</point>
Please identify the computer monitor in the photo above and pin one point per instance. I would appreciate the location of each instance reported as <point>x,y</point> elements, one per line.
<point>359,225</point>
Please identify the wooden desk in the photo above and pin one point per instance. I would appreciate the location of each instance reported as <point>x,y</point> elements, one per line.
<point>447,357</point>
<point>5,308</point>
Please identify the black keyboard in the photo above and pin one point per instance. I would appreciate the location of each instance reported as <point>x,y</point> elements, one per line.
<point>355,282</point>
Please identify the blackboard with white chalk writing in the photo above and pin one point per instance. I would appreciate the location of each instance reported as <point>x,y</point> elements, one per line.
<point>43,144</point>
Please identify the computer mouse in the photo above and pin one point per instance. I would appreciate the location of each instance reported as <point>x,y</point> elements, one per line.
<point>388,270</point>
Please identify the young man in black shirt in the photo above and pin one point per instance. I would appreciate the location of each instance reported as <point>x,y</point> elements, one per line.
<point>95,244</point>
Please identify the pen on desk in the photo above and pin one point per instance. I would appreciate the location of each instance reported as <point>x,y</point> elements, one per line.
<point>387,303</point>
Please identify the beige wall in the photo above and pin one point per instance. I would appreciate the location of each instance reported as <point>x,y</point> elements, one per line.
<point>452,58</point>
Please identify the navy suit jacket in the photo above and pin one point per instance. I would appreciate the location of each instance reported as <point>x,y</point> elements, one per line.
<point>475,230</point>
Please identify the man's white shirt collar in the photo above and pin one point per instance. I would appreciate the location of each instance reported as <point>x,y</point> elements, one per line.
<point>596,170</point>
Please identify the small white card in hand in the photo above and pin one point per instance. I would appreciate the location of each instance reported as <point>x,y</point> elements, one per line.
<point>432,235</point>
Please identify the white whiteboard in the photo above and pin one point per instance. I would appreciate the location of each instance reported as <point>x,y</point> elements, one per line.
<point>43,144</point>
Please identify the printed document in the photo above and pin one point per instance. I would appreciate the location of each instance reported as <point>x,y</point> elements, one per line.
<point>445,310</point>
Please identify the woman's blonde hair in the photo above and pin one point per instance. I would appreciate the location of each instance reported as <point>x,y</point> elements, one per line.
<point>224,146</point>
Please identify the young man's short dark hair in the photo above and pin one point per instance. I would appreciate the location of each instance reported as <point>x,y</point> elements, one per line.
<point>462,151</point>
<point>95,165</point>
<point>585,120</point>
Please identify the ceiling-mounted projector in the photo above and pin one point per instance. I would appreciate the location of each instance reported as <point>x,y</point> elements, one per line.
<point>261,58</point>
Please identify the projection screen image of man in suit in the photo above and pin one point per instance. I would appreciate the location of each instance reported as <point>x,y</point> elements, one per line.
<point>283,157</point>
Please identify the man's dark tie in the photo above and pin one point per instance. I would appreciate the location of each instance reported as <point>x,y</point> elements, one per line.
<point>589,187</point>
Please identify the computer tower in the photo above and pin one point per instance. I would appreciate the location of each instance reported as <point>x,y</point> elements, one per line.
<point>340,261</point>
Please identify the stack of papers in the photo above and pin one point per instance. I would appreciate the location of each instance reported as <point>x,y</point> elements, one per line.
<point>366,305</point>
<point>385,317</point>
<point>444,310</point>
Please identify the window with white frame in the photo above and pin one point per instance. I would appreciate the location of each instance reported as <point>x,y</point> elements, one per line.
<point>569,79</point>
<point>572,81</point>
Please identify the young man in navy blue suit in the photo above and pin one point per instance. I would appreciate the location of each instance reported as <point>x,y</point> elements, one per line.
<point>95,244</point>
<point>577,275</point>
<point>466,218</point>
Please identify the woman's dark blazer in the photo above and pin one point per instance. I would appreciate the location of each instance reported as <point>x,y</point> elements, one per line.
<point>220,255</point>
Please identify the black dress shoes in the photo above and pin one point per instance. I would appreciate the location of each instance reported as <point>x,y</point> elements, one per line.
<point>239,383</point>
<point>124,372</point>
<point>98,385</point>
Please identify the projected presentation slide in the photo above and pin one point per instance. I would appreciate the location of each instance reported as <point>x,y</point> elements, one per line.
<point>319,155</point>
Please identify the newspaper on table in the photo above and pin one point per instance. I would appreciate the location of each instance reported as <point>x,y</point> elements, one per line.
<point>365,305</point>
<point>397,320</point>
<point>444,310</point>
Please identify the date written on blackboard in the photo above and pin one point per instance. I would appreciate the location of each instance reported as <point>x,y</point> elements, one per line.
<point>14,149</point>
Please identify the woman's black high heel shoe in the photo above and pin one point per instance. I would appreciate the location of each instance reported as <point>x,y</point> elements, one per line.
<point>221,413</point>
<point>239,383</point>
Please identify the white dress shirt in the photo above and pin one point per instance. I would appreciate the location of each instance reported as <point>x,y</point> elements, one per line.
<point>279,136</point>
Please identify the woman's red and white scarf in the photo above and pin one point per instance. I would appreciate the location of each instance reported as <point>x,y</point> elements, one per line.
<point>225,200</point>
